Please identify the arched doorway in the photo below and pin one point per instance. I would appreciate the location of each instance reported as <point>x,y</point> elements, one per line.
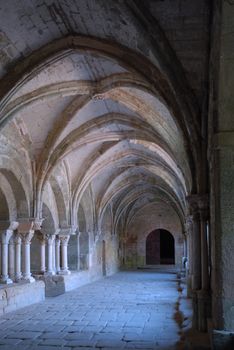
<point>160,248</point>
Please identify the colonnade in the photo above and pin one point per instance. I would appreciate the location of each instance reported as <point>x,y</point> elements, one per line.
<point>198,266</point>
<point>15,255</point>
<point>56,245</point>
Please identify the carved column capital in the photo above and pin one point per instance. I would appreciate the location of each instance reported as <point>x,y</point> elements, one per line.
<point>25,229</point>
<point>27,236</point>
<point>57,238</point>
<point>64,239</point>
<point>203,206</point>
<point>198,205</point>
<point>6,236</point>
<point>17,238</point>
<point>8,225</point>
<point>6,230</point>
<point>189,224</point>
<point>41,237</point>
<point>50,238</point>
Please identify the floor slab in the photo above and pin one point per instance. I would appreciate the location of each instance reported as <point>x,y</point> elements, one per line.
<point>129,310</point>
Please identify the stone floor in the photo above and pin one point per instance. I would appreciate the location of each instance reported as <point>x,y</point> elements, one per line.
<point>130,310</point>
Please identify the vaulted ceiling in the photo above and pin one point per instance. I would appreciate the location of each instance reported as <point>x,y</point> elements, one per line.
<point>88,87</point>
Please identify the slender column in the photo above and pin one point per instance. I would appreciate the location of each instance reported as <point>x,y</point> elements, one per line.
<point>203,210</point>
<point>78,250</point>
<point>50,242</point>
<point>53,257</point>
<point>12,258</point>
<point>57,254</point>
<point>196,256</point>
<point>26,242</point>
<point>42,254</point>
<point>90,260</point>
<point>64,242</point>
<point>204,303</point>
<point>196,279</point>
<point>189,230</point>
<point>5,237</point>
<point>196,237</point>
<point>42,239</point>
<point>18,273</point>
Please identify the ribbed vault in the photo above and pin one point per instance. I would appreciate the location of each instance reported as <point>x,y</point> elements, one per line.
<point>108,123</point>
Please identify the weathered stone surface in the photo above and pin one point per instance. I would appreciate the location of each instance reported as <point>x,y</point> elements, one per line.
<point>113,114</point>
<point>17,296</point>
<point>109,313</point>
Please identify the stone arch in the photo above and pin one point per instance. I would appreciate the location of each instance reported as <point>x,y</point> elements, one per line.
<point>158,215</point>
<point>184,109</point>
<point>19,194</point>
<point>60,202</point>
<point>48,225</point>
<point>8,209</point>
<point>81,219</point>
<point>4,210</point>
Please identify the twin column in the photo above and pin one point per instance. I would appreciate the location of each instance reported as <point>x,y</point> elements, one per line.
<point>15,242</point>
<point>57,262</point>
<point>13,237</point>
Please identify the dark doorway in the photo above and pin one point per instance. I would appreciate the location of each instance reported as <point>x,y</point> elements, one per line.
<point>167,248</point>
<point>160,248</point>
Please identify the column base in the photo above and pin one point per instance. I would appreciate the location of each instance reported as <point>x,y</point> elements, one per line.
<point>6,280</point>
<point>64,272</point>
<point>204,309</point>
<point>222,340</point>
<point>28,279</point>
<point>49,273</point>
<point>189,286</point>
<point>195,309</point>
<point>42,272</point>
<point>18,278</point>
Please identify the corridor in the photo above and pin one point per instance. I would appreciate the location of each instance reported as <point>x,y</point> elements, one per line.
<point>130,310</point>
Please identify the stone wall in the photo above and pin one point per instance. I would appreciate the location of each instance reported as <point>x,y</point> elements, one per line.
<point>16,296</point>
<point>156,216</point>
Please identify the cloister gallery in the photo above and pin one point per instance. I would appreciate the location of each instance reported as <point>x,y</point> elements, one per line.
<point>117,148</point>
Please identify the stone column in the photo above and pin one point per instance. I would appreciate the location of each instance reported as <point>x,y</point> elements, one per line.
<point>78,250</point>
<point>57,254</point>
<point>18,273</point>
<point>42,239</point>
<point>26,242</point>
<point>204,303</point>
<point>6,232</point>
<point>91,243</point>
<point>189,230</point>
<point>26,229</point>
<point>12,258</point>
<point>50,242</point>
<point>53,257</point>
<point>196,254</point>
<point>64,242</point>
<point>196,277</point>
<point>203,211</point>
